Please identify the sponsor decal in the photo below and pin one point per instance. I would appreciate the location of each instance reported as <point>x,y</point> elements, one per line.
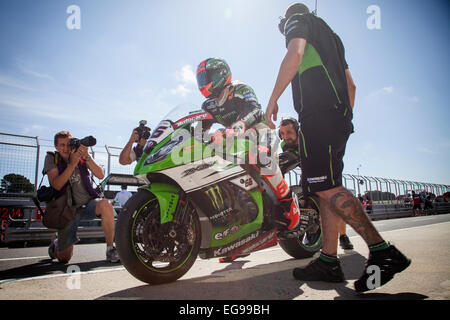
<point>221,214</point>
<point>215,195</point>
<point>224,250</point>
<point>192,118</point>
<point>317,179</point>
<point>198,168</point>
<point>226,233</point>
<point>260,242</point>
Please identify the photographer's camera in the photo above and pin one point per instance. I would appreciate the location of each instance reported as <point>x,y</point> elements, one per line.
<point>88,141</point>
<point>143,131</point>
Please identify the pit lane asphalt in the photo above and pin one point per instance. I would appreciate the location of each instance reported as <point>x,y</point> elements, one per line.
<point>27,273</point>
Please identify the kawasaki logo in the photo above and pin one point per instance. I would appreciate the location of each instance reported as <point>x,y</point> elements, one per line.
<point>215,195</point>
<point>231,247</point>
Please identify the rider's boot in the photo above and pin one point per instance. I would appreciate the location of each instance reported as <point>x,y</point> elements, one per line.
<point>293,215</point>
<point>292,227</point>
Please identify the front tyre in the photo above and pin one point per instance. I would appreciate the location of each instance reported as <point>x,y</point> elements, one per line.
<point>152,252</point>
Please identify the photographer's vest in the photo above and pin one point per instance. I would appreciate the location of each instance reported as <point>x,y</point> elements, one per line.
<point>62,165</point>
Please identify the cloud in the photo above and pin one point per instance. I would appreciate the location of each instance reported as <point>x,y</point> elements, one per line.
<point>382,92</point>
<point>390,93</point>
<point>7,81</point>
<point>187,81</point>
<point>36,74</point>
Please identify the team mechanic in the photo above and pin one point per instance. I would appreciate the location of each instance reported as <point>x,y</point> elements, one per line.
<point>324,93</point>
<point>235,106</point>
<point>289,135</point>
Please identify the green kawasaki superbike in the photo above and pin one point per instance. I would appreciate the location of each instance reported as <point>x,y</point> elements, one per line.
<point>196,203</point>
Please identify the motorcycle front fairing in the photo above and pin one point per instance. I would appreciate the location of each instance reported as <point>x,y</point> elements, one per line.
<point>212,183</point>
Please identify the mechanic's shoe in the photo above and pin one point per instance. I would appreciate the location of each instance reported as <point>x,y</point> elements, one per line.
<point>112,255</point>
<point>320,270</point>
<point>345,243</point>
<point>294,214</point>
<point>52,248</point>
<point>232,258</point>
<point>389,262</point>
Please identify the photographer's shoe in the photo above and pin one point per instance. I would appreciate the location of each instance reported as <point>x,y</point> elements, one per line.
<point>386,263</point>
<point>112,255</point>
<point>320,270</point>
<point>345,243</point>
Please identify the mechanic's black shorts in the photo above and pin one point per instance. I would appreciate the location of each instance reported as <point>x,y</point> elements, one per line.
<point>323,138</point>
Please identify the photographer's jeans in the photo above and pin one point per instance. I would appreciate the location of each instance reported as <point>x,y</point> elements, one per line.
<point>68,236</point>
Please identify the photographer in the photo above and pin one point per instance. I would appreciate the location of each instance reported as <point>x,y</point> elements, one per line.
<point>69,167</point>
<point>139,135</point>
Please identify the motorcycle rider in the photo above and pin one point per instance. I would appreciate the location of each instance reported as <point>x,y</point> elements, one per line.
<point>234,105</point>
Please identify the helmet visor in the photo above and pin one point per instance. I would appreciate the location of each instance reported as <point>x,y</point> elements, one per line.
<point>202,78</point>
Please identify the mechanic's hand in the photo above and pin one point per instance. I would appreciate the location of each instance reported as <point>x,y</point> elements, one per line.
<point>271,112</point>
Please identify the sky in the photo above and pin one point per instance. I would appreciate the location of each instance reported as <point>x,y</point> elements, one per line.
<point>131,60</point>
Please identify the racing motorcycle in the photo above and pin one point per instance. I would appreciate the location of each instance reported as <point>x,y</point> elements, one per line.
<point>195,203</point>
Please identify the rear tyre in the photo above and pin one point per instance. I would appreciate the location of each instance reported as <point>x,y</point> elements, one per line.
<point>306,245</point>
<point>152,252</point>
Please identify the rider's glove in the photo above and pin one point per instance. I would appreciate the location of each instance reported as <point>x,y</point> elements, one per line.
<point>238,128</point>
<point>217,137</point>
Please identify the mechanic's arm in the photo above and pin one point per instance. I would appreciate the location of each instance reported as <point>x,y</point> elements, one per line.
<point>351,87</point>
<point>289,67</point>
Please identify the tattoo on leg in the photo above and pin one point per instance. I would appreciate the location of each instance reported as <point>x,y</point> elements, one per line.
<point>344,204</point>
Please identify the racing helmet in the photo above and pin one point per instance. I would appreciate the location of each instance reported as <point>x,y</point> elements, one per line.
<point>213,75</point>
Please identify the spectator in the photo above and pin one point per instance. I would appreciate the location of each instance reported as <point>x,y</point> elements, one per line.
<point>122,196</point>
<point>324,93</point>
<point>416,203</point>
<point>368,203</point>
<point>130,153</point>
<point>428,202</point>
<point>71,167</point>
<point>360,198</point>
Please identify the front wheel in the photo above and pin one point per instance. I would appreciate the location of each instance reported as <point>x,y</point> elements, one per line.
<point>310,242</point>
<point>152,252</point>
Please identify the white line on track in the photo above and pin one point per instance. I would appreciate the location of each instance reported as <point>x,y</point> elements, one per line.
<point>25,258</point>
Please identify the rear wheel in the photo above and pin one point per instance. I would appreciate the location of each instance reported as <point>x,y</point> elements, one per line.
<point>153,252</point>
<point>306,245</point>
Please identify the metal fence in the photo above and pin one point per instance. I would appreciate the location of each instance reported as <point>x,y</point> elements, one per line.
<point>22,160</point>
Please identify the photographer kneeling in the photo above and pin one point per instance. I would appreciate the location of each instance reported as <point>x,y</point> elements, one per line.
<point>69,167</point>
<point>139,135</point>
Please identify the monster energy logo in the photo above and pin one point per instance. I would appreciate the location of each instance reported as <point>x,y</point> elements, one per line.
<point>215,195</point>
